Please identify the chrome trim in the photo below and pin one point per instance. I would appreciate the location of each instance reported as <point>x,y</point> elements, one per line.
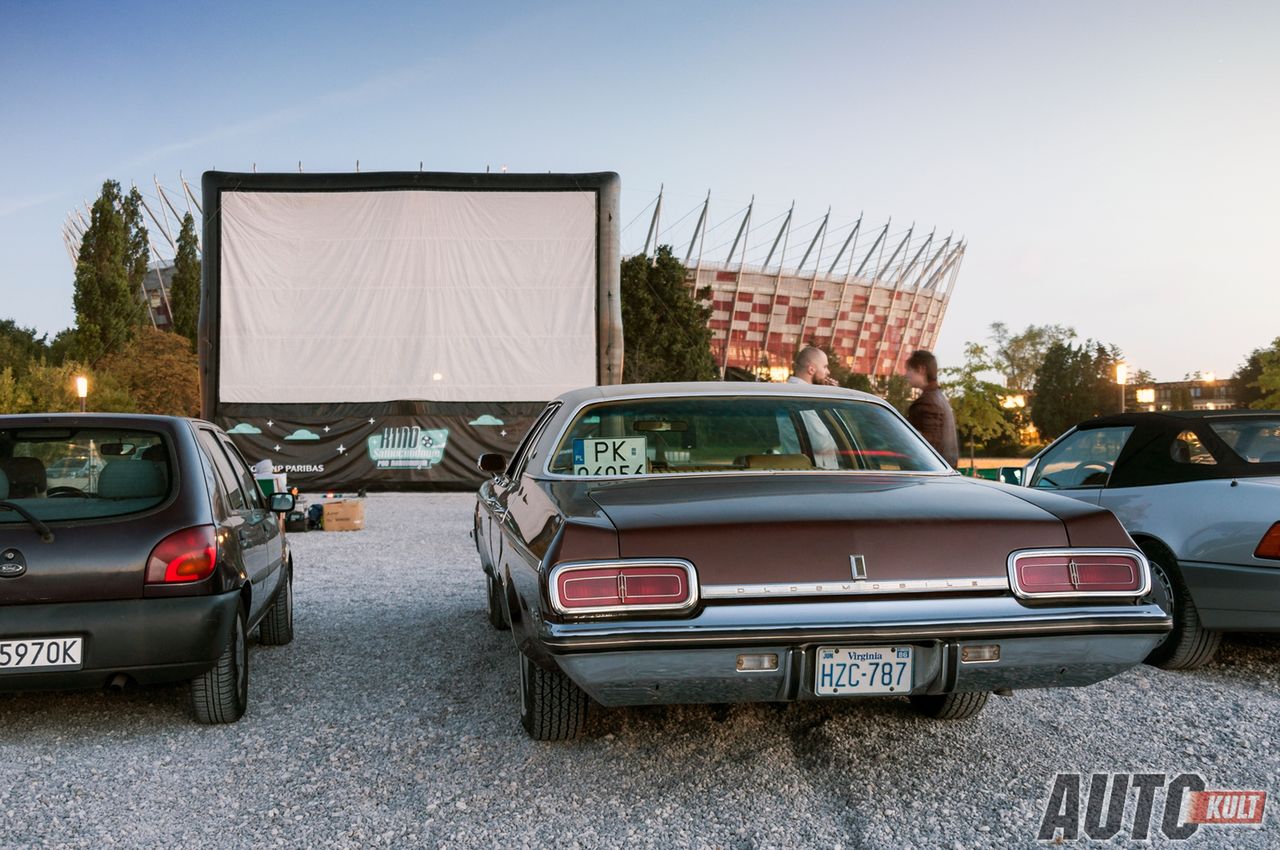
<point>553,586</point>
<point>854,395</point>
<point>1143,590</point>
<point>854,588</point>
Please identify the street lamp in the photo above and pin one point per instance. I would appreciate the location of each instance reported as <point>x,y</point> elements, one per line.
<point>1122,377</point>
<point>82,390</point>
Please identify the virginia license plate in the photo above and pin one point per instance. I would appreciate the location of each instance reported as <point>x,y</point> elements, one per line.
<point>854,670</point>
<point>51,653</point>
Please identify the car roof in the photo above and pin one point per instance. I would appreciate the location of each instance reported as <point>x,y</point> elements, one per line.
<point>693,388</point>
<point>1170,417</point>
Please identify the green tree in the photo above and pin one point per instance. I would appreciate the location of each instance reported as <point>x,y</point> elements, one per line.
<point>1244,383</point>
<point>1018,357</point>
<point>184,291</point>
<point>665,330</point>
<point>1268,382</point>
<point>20,347</point>
<point>12,397</point>
<point>1180,398</point>
<point>109,272</point>
<point>158,372</point>
<point>1074,383</point>
<point>975,402</point>
<point>896,390</point>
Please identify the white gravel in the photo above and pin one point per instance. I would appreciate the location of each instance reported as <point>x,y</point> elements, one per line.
<point>392,720</point>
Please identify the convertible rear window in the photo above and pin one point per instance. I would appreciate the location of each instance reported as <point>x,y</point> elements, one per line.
<point>82,473</point>
<point>735,434</point>
<point>1254,440</point>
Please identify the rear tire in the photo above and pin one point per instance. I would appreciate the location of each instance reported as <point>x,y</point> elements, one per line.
<point>552,707</point>
<point>953,706</point>
<point>1189,645</point>
<point>277,626</point>
<point>221,694</point>
<point>497,616</point>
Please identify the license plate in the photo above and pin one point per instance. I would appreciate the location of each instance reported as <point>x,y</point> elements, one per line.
<point>854,670</point>
<point>51,653</point>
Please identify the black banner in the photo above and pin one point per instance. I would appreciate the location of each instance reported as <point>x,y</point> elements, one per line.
<point>348,447</point>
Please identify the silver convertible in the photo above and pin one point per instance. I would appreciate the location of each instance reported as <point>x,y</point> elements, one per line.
<point>1199,491</point>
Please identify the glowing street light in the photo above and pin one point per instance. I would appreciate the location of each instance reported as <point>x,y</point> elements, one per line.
<point>82,390</point>
<point>1122,378</point>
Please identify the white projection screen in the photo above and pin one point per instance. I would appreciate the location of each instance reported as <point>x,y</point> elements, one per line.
<point>390,294</point>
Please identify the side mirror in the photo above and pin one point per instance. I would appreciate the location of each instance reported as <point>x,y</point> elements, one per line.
<point>1010,475</point>
<point>492,463</point>
<point>282,503</point>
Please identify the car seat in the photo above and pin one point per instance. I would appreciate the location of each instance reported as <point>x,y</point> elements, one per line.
<point>131,480</point>
<point>27,479</point>
<point>4,485</point>
<point>1180,451</point>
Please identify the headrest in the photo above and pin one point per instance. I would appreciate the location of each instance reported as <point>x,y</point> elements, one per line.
<point>1181,451</point>
<point>26,476</point>
<point>779,462</point>
<point>156,453</point>
<point>131,479</point>
<point>4,485</point>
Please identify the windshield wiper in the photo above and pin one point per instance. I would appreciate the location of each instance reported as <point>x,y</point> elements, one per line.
<point>45,534</point>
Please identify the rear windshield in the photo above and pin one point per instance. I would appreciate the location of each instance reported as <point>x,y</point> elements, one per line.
<point>1254,440</point>
<point>737,434</point>
<point>82,473</point>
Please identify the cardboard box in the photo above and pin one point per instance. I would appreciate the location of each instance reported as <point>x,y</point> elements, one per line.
<point>343,515</point>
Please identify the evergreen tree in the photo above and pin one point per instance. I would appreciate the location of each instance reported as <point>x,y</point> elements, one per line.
<point>109,272</point>
<point>1268,382</point>
<point>184,292</point>
<point>975,402</point>
<point>1074,383</point>
<point>1244,383</point>
<point>665,330</point>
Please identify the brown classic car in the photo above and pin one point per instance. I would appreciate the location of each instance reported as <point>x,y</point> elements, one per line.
<point>686,543</point>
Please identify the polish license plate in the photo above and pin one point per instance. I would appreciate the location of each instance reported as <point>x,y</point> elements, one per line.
<point>51,653</point>
<point>854,670</point>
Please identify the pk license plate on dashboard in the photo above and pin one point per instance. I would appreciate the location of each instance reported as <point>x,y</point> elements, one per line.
<point>854,670</point>
<point>53,653</point>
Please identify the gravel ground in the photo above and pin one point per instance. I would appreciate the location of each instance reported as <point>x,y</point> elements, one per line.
<point>392,720</point>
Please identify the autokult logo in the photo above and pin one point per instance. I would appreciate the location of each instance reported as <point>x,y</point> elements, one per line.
<point>408,447</point>
<point>1093,807</point>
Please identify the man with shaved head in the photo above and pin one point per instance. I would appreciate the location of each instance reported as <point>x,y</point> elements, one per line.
<point>810,367</point>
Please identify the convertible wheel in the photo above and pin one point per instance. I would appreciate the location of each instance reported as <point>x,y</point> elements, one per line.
<point>497,617</point>
<point>221,694</point>
<point>277,625</point>
<point>552,707</point>
<point>953,706</point>
<point>1189,645</point>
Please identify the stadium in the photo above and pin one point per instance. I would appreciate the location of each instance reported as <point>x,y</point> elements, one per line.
<point>869,295</point>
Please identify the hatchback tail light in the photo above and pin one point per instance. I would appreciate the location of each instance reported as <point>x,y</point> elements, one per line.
<point>1269,546</point>
<point>1045,574</point>
<point>599,587</point>
<point>184,556</point>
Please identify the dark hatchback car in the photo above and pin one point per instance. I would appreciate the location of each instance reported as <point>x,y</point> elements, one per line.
<point>156,570</point>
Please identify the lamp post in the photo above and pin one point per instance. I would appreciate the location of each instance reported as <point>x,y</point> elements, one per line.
<point>1122,377</point>
<point>82,390</point>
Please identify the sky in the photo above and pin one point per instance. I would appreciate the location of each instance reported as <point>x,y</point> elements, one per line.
<point>1114,167</point>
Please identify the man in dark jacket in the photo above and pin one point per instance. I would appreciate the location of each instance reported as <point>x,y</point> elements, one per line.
<point>931,412</point>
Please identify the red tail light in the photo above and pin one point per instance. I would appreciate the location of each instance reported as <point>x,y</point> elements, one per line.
<point>1269,546</point>
<point>184,556</point>
<point>1094,572</point>
<point>614,587</point>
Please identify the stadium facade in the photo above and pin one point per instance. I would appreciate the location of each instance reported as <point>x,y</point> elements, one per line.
<point>869,295</point>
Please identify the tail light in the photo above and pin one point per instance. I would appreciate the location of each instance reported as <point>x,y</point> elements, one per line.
<point>1269,546</point>
<point>614,587</point>
<point>184,556</point>
<point>1049,574</point>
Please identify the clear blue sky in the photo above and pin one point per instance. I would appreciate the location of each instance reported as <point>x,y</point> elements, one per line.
<point>1114,166</point>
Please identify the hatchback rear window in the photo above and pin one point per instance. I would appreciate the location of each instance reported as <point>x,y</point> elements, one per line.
<point>738,434</point>
<point>82,473</point>
<point>1254,440</point>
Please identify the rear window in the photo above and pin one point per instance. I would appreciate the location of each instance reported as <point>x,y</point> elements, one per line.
<point>82,473</point>
<point>737,434</point>
<point>1254,440</point>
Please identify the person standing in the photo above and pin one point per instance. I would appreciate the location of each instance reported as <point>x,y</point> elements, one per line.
<point>931,412</point>
<point>811,367</point>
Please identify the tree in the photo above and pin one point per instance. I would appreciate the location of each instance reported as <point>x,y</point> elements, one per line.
<point>51,388</point>
<point>975,402</point>
<point>159,373</point>
<point>1018,357</point>
<point>184,291</point>
<point>1074,383</point>
<point>665,330</point>
<point>1268,382</point>
<point>897,391</point>
<point>1244,383</point>
<point>109,273</point>
<point>20,347</point>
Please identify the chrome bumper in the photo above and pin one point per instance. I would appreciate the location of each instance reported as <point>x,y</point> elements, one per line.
<point>695,660</point>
